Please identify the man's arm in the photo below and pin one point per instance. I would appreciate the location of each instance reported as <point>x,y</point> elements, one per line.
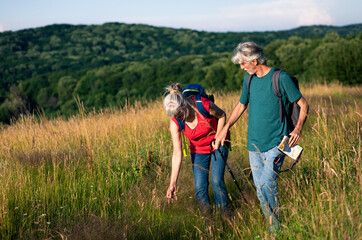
<point>296,134</point>
<point>234,117</point>
<point>220,115</point>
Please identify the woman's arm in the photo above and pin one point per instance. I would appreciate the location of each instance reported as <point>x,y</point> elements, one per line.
<point>176,160</point>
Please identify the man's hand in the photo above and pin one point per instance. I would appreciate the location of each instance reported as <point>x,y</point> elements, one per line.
<point>294,137</point>
<point>171,193</point>
<point>220,138</point>
<point>234,116</point>
<point>297,132</point>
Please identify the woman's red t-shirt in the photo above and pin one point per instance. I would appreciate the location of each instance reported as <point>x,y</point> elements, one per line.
<point>201,136</point>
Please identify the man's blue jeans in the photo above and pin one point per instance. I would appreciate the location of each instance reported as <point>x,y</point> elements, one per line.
<point>265,167</point>
<point>200,166</point>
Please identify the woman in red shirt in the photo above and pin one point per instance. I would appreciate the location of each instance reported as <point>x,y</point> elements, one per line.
<point>200,131</point>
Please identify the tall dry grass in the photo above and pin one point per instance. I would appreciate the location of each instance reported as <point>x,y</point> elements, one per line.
<point>104,175</point>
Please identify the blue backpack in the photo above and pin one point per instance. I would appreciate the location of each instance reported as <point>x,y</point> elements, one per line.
<point>197,91</point>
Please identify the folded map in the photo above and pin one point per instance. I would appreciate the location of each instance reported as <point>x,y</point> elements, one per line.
<point>294,152</point>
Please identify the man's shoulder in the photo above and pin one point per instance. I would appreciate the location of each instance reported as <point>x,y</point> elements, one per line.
<point>285,79</point>
<point>283,74</point>
<point>289,86</point>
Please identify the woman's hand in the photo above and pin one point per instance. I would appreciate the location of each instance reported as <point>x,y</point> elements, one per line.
<point>171,193</point>
<point>220,138</point>
<point>221,116</point>
<point>176,161</point>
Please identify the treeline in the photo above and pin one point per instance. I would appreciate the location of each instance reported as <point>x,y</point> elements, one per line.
<point>49,68</point>
<point>53,48</point>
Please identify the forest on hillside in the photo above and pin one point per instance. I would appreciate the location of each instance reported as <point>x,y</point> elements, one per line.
<point>51,68</point>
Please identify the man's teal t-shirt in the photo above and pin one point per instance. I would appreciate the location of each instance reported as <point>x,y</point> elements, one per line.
<point>264,128</point>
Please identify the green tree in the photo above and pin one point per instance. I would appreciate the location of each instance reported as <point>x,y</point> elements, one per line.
<point>337,59</point>
<point>65,88</point>
<point>14,104</point>
<point>292,54</point>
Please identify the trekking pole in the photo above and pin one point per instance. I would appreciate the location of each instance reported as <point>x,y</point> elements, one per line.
<point>231,173</point>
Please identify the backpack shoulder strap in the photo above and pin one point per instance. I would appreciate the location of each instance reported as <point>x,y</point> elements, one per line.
<point>201,107</point>
<point>275,81</point>
<point>276,89</point>
<point>248,80</point>
<point>181,124</point>
<point>197,90</point>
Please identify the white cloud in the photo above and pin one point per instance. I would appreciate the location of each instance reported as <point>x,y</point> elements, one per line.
<point>1,28</point>
<point>311,15</point>
<point>268,15</point>
<point>279,13</point>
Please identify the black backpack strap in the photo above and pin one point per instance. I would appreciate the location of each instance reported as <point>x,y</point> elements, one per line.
<point>276,89</point>
<point>248,80</point>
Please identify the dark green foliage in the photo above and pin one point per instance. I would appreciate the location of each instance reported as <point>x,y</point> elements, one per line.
<point>338,58</point>
<point>113,64</point>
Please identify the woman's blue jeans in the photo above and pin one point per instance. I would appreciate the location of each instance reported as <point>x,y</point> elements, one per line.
<point>265,167</point>
<point>200,166</point>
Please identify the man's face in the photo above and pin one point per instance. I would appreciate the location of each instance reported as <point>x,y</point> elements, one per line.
<point>249,67</point>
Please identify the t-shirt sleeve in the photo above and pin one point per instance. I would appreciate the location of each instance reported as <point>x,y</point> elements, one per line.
<point>206,103</point>
<point>288,88</point>
<point>244,98</point>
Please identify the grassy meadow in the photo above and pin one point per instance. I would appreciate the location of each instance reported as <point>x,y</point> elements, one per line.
<point>104,175</point>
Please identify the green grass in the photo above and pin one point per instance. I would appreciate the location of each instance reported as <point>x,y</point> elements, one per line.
<point>105,175</point>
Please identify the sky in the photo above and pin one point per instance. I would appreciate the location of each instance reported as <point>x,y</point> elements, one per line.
<point>201,15</point>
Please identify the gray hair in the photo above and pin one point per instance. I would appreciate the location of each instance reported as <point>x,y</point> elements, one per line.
<point>248,51</point>
<point>174,102</point>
